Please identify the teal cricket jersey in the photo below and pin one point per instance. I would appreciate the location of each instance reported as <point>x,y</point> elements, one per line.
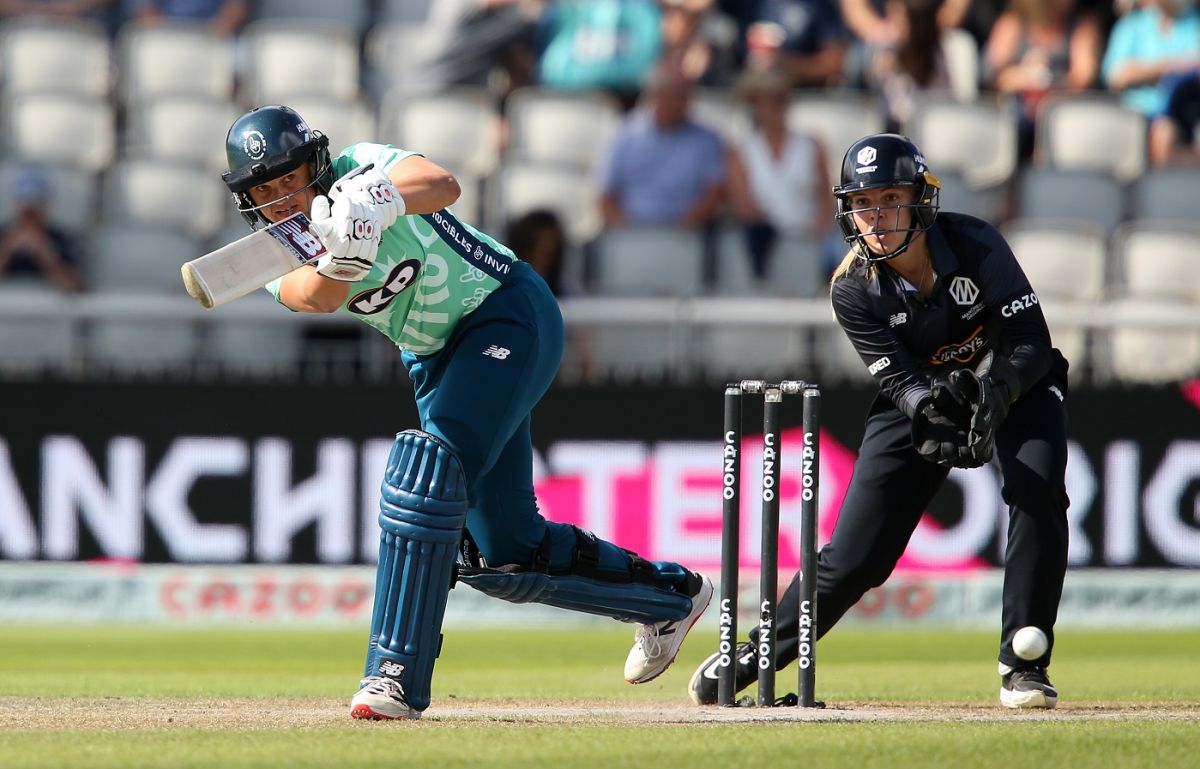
<point>432,270</point>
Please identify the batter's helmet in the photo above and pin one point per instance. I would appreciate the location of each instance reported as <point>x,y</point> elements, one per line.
<point>268,142</point>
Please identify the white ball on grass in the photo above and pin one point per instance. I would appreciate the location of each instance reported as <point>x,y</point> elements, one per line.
<point>1029,643</point>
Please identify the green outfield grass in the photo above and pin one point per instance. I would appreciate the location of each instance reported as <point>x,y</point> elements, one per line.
<point>122,697</point>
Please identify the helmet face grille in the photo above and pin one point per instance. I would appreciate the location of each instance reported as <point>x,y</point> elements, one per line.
<point>879,161</point>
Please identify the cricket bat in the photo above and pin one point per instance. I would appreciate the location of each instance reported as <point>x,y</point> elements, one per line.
<point>250,263</point>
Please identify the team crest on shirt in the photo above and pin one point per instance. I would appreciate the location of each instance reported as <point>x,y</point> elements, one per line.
<point>963,291</point>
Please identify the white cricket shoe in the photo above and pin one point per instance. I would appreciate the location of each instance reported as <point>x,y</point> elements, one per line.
<point>1026,687</point>
<point>381,698</point>
<point>655,645</point>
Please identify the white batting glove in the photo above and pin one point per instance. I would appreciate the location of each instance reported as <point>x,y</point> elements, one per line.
<point>375,188</point>
<point>350,231</point>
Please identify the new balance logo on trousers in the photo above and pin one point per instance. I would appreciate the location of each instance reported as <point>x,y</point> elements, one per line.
<point>497,352</point>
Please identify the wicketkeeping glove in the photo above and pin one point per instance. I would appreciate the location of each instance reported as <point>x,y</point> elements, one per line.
<point>940,439</point>
<point>374,188</point>
<point>350,231</point>
<point>989,394</point>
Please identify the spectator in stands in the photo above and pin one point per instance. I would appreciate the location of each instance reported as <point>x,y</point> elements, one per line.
<point>662,167</point>
<point>29,245</point>
<point>480,43</point>
<point>538,238</point>
<point>805,39</point>
<point>603,44</point>
<point>883,26</point>
<point>1038,47</point>
<point>778,182</point>
<point>915,65</point>
<point>225,17</point>
<point>100,11</point>
<point>686,44</point>
<point>1154,50</point>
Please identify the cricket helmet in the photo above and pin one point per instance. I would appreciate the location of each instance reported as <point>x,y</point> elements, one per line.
<point>885,160</point>
<point>268,142</point>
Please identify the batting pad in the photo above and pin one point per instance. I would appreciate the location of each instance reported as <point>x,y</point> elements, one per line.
<point>623,601</point>
<point>421,515</point>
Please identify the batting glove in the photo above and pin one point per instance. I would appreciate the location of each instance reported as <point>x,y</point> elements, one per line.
<point>374,188</point>
<point>350,231</point>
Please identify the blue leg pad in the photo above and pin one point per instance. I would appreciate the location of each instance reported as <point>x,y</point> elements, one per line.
<point>624,601</point>
<point>421,517</point>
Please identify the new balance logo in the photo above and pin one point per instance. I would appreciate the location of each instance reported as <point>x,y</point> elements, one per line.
<point>898,319</point>
<point>499,353</point>
<point>390,669</point>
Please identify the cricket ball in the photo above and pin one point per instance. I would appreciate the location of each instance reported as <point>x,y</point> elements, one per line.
<point>1029,643</point>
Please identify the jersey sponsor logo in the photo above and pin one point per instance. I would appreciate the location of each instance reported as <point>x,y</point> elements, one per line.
<point>376,300</point>
<point>497,352</point>
<point>255,145</point>
<point>898,319</point>
<point>1018,304</point>
<point>475,252</point>
<point>1057,393</point>
<point>961,352</point>
<point>963,291</point>
<point>879,365</point>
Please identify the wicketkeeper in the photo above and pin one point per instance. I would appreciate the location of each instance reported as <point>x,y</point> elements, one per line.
<point>945,320</point>
<point>481,336</point>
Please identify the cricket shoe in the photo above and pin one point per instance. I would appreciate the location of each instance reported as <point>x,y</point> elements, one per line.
<point>1026,687</point>
<point>655,645</point>
<point>381,699</point>
<point>703,686</point>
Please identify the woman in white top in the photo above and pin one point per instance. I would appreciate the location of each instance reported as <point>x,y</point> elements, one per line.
<point>777,176</point>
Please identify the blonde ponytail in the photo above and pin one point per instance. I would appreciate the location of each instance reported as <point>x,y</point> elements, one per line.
<point>847,262</point>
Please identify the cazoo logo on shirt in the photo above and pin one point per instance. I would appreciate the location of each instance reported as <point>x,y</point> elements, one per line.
<point>1016,305</point>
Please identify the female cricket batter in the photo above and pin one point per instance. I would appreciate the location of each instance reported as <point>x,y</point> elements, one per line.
<point>946,322</point>
<point>481,336</point>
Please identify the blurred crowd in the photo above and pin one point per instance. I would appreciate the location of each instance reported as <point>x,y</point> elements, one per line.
<point>667,167</point>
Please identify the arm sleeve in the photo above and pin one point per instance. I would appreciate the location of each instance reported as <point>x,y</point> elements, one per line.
<point>887,360</point>
<point>1014,309</point>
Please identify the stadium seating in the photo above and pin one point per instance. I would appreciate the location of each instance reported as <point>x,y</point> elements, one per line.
<point>148,193</point>
<point>722,112</point>
<point>34,342</point>
<point>276,69</point>
<point>1090,197</point>
<point>344,121</point>
<point>351,15</point>
<point>127,259</point>
<point>256,348</point>
<point>174,60</point>
<point>393,54</point>
<point>62,56</point>
<point>180,129</point>
<point>409,11</point>
<point>1066,263</point>
<point>1158,281</point>
<point>1166,193</point>
<point>72,196</point>
<point>649,261</point>
<point>977,140</point>
<point>989,204</point>
<point>555,126</point>
<point>61,128</point>
<point>456,128</point>
<point>1091,132</point>
<point>837,119</point>
<point>519,188</point>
